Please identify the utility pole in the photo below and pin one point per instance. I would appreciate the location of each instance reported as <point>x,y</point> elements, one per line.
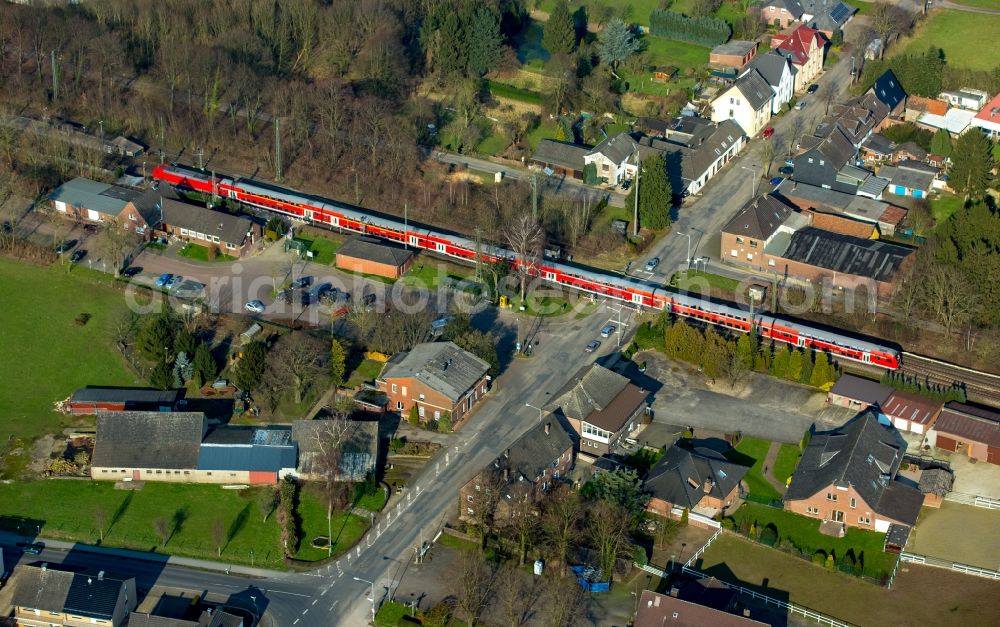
<point>215,190</point>
<point>479,256</point>
<point>534,197</point>
<point>406,226</point>
<point>55,77</point>
<point>201,158</point>
<point>277,148</point>
<point>635,216</point>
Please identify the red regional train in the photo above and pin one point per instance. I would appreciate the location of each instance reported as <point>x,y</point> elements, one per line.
<point>635,291</point>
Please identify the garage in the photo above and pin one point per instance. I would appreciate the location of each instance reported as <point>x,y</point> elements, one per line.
<point>969,430</point>
<point>946,443</point>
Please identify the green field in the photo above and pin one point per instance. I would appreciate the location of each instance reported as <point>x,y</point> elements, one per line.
<point>950,31</point>
<point>677,53</point>
<point>638,10</point>
<point>754,449</point>
<point>545,130</point>
<point>323,250</point>
<point>785,463</point>
<point>44,354</point>
<point>347,529</point>
<point>200,253</point>
<point>804,533</point>
<point>985,4</point>
<point>697,281</point>
<point>431,275</point>
<point>943,206</point>
<point>367,370</point>
<point>503,90</point>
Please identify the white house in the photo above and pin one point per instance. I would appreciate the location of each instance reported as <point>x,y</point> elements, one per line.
<point>747,102</point>
<point>611,157</point>
<point>988,120</point>
<point>805,48</point>
<point>779,74</point>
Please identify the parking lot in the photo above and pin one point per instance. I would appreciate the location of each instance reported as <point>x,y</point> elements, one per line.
<point>764,407</point>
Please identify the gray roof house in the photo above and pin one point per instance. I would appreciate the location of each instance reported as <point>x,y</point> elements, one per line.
<point>208,618</point>
<point>359,451</point>
<point>533,453</point>
<point>779,74</point>
<point>99,198</point>
<point>858,460</point>
<point>826,15</point>
<point>93,596</point>
<point>371,249</point>
<point>846,254</point>
<point>616,148</point>
<point>759,218</point>
<point>755,89</point>
<point>148,439</point>
<point>442,366</point>
<point>909,178</point>
<point>239,448</point>
<point>856,392</point>
<point>562,157</point>
<point>684,477</point>
<point>601,405</point>
<point>205,224</point>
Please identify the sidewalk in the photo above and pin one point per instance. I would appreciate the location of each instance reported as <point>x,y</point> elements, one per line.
<point>768,467</point>
<point>11,539</point>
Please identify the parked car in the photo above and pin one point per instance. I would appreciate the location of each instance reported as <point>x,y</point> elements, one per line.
<point>90,229</point>
<point>800,105</point>
<point>652,263</point>
<point>301,282</point>
<point>438,325</point>
<point>789,162</point>
<point>768,132</point>
<point>608,329</point>
<point>78,255</point>
<point>131,271</point>
<point>592,346</point>
<point>315,294</point>
<point>65,246</point>
<point>35,548</point>
<point>284,296</point>
<point>254,306</point>
<point>173,281</point>
<point>786,169</point>
<point>335,296</point>
<point>368,301</point>
<point>812,89</point>
<point>775,180</point>
<point>161,281</point>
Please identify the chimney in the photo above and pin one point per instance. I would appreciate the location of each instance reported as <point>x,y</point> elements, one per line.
<point>746,612</point>
<point>674,591</point>
<point>506,473</point>
<point>708,485</point>
<point>548,427</point>
<point>507,453</point>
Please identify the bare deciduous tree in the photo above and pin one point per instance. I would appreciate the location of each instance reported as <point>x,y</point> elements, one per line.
<point>564,602</point>
<point>162,529</point>
<point>524,523</point>
<point>767,150</point>
<point>299,358</point>
<point>947,297</point>
<point>525,236</point>
<point>608,525</point>
<point>118,240</point>
<point>561,519</point>
<point>476,581</point>
<point>518,593</point>
<point>218,534</point>
<point>101,520</point>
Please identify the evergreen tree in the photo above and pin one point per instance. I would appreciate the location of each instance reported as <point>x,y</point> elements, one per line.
<point>205,367</point>
<point>714,353</point>
<point>794,372</point>
<point>617,43</point>
<point>414,415</point>
<point>821,374</point>
<point>185,342</point>
<point>972,160</point>
<point>249,371</point>
<point>484,40</point>
<point>559,35</point>
<point>746,352</point>
<point>183,369</point>
<point>453,51</point>
<point>155,340</point>
<point>941,143</point>
<point>337,363</point>
<point>655,194</point>
<point>779,366</point>
<point>161,376</point>
<point>807,367</point>
<point>444,425</point>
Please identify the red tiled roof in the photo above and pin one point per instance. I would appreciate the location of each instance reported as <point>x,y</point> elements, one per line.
<point>956,420</point>
<point>991,112</point>
<point>842,225</point>
<point>912,407</point>
<point>893,215</point>
<point>927,105</point>
<point>798,42</point>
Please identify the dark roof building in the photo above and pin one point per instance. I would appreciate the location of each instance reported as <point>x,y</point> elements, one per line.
<point>97,596</point>
<point>755,89</point>
<point>138,439</point>
<point>888,90</point>
<point>563,157</point>
<point>600,397</point>
<point>909,178</point>
<point>102,198</point>
<point>822,159</point>
<point>359,451</point>
<point>91,400</point>
<point>857,393</point>
<point>616,148</point>
<point>759,218</point>
<point>771,67</point>
<point>532,453</point>
<point>218,227</point>
<point>691,147</point>
<point>208,618</point>
<point>369,249</point>
<point>684,477</point>
<point>969,429</point>
<point>661,610</point>
<point>826,15</point>
<point>254,449</point>
<point>862,456</point>
<point>846,254</point>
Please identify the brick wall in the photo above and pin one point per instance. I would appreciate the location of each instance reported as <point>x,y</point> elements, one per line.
<point>820,507</point>
<point>405,392</point>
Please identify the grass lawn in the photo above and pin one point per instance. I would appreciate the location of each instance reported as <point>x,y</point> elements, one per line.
<point>431,275</point>
<point>920,595</point>
<point>862,7</point>
<point>785,463</point>
<point>804,533</point>
<point>373,502</point>
<point>66,509</point>
<point>347,529</point>
<point>453,542</point>
<point>391,614</point>
<point>509,92</point>
<point>943,206</point>
<point>638,10</point>
<point>697,281</point>
<point>44,355</point>
<point>949,30</point>
<point>492,145</point>
<point>538,304</point>
<point>200,253</point>
<point>680,54</point>
<point>367,370</point>
<point>755,450</point>
<point>985,4</point>
<point>323,250</point>
<point>545,130</point>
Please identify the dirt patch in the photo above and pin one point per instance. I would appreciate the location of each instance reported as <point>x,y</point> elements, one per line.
<point>960,533</point>
<point>41,452</point>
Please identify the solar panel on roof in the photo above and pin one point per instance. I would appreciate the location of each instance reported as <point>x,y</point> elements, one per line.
<point>840,12</point>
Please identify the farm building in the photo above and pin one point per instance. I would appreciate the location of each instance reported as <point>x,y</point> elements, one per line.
<point>967,429</point>
<point>365,255</point>
<point>90,400</point>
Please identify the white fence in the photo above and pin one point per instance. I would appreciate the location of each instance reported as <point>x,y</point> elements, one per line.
<point>696,518</point>
<point>805,612</point>
<point>698,553</point>
<point>973,499</point>
<point>916,558</point>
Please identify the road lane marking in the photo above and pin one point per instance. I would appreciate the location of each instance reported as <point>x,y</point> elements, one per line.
<point>315,601</point>
<point>296,622</point>
<point>334,604</point>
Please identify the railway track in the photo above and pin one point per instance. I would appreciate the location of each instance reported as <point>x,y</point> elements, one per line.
<point>980,387</point>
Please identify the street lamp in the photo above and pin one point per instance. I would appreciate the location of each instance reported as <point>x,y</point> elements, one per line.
<point>752,169</point>
<point>688,260</point>
<point>538,408</point>
<point>373,594</point>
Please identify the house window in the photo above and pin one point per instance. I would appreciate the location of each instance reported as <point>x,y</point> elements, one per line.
<point>469,510</point>
<point>770,262</point>
<point>749,256</point>
<point>739,240</point>
<point>854,503</point>
<point>421,412</point>
<point>437,415</point>
<point>404,390</point>
<point>732,253</point>
<point>469,498</point>
<point>810,159</point>
<point>821,162</point>
<point>393,388</point>
<point>230,246</point>
<point>421,397</point>
<point>864,520</point>
<point>830,496</point>
<point>477,487</point>
<point>399,404</point>
<point>753,243</point>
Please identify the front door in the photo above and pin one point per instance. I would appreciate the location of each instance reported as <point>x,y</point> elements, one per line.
<point>837,516</point>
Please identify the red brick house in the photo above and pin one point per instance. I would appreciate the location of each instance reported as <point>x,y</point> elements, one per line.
<point>699,480</point>
<point>92,201</point>
<point>974,431</point>
<point>365,255</point>
<point>847,478</point>
<point>734,53</point>
<point>602,406</point>
<point>434,377</point>
<point>522,475</point>
<point>781,13</point>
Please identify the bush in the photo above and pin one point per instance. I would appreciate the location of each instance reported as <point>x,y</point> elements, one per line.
<point>414,416</point>
<point>82,319</point>
<point>728,523</point>
<point>830,562</point>
<point>212,253</point>
<point>819,557</point>
<point>639,556</point>
<point>684,516</point>
<point>396,444</point>
<point>444,425</point>
<point>432,425</point>
<point>769,535</point>
<point>703,31</point>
